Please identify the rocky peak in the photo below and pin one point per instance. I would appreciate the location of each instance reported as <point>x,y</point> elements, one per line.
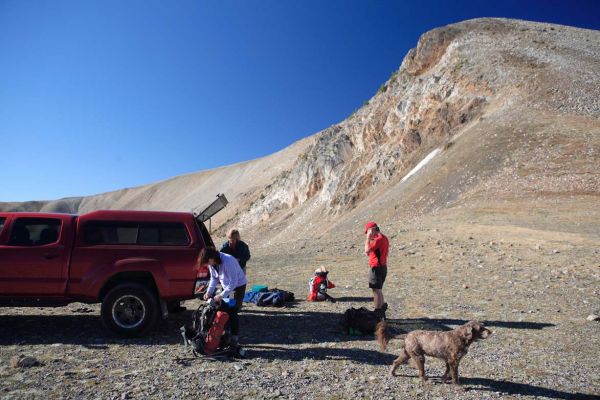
<point>494,87</point>
<point>433,94</point>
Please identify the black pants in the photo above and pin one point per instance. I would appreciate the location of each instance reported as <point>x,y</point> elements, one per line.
<point>234,320</point>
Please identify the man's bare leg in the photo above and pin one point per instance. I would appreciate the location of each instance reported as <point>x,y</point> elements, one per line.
<point>377,298</point>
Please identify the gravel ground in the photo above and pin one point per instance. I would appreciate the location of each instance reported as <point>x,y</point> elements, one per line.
<point>533,291</point>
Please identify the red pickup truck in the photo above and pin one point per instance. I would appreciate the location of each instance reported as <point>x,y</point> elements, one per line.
<point>136,263</point>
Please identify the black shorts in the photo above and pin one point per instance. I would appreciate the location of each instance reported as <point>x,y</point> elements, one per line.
<point>377,277</point>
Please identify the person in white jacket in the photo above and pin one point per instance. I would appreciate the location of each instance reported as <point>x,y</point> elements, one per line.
<point>226,270</point>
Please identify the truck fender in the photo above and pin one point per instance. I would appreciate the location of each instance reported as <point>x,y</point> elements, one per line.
<point>101,276</point>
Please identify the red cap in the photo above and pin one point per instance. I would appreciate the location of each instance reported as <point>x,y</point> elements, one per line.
<point>370,225</point>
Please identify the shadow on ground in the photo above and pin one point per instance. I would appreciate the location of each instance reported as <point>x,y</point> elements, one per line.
<point>363,356</point>
<point>351,299</point>
<point>278,327</point>
<point>85,330</point>
<point>259,326</point>
<point>272,326</point>
<point>504,387</point>
<point>516,389</point>
<point>500,324</point>
<point>401,326</point>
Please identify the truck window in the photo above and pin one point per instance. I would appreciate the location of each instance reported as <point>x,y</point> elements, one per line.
<point>205,235</point>
<point>132,233</point>
<point>2,219</point>
<point>161,234</point>
<point>101,232</point>
<point>34,231</point>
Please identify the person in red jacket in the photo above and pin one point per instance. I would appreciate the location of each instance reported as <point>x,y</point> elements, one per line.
<point>318,285</point>
<point>376,248</point>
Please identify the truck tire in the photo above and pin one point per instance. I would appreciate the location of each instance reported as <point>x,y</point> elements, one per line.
<point>129,309</point>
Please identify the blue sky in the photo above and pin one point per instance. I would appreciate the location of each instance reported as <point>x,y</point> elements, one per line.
<point>102,95</point>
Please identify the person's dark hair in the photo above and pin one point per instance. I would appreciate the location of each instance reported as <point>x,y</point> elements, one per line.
<point>207,253</point>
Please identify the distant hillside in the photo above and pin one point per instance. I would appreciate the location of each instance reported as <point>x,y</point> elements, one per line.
<point>512,108</point>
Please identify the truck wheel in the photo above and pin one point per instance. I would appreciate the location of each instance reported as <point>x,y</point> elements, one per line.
<point>129,309</point>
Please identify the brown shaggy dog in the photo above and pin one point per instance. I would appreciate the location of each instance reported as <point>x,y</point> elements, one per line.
<point>450,346</point>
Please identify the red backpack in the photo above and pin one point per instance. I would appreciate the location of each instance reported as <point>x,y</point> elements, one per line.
<point>215,333</point>
<point>207,333</point>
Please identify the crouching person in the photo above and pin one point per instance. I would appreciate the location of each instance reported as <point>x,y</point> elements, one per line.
<point>318,285</point>
<point>225,269</point>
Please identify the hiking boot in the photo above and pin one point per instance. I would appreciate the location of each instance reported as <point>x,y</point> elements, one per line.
<point>238,352</point>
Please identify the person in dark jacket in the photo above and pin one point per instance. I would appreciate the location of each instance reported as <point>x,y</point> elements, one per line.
<point>237,248</point>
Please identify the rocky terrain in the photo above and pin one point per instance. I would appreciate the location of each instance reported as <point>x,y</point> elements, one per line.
<point>499,225</point>
<point>533,289</point>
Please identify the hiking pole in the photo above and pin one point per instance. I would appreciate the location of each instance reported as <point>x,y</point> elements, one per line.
<point>185,341</point>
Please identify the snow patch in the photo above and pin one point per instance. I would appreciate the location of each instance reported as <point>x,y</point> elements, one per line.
<point>421,164</point>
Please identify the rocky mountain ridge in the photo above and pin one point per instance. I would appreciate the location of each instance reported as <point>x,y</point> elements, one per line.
<point>506,102</point>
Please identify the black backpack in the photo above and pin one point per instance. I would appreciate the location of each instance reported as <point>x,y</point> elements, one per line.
<point>360,320</point>
<point>195,334</point>
<point>287,295</point>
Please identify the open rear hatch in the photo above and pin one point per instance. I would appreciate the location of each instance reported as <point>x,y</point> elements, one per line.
<point>203,277</point>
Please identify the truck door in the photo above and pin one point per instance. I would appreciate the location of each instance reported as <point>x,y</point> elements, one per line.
<point>34,257</point>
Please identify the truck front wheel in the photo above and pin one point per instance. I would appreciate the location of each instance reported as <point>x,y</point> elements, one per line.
<point>129,309</point>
